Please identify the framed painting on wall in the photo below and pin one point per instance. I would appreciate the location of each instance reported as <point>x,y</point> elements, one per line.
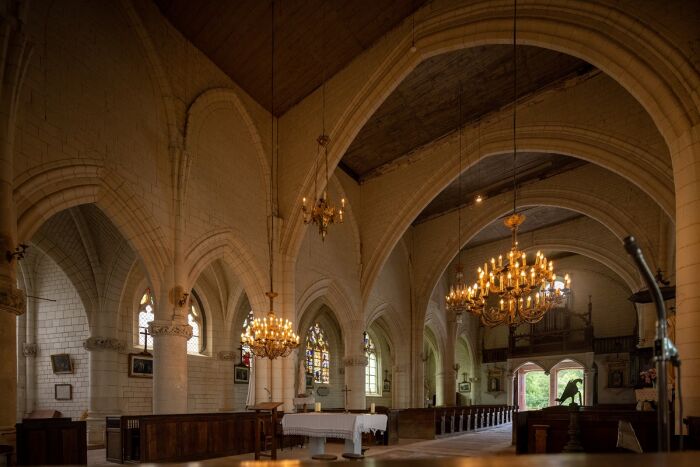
<point>61,364</point>
<point>63,392</point>
<point>140,365</point>
<point>465,386</point>
<point>616,374</point>
<point>241,374</point>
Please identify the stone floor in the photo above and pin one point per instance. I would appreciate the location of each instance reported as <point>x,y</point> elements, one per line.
<point>489,441</point>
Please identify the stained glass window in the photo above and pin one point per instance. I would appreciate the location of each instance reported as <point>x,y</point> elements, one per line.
<point>195,318</point>
<point>146,308</point>
<point>317,355</point>
<point>371,370</point>
<point>245,348</point>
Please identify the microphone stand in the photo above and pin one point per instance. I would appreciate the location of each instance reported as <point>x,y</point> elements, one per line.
<point>664,350</point>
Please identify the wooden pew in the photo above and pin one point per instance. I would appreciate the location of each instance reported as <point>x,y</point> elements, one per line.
<point>182,437</point>
<point>51,441</point>
<point>598,429</point>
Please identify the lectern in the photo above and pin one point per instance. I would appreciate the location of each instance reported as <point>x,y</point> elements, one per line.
<point>271,408</point>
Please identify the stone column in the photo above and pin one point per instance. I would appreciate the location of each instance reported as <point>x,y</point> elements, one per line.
<point>104,385</point>
<point>449,370</point>
<point>510,387</point>
<point>685,154</point>
<point>355,380</point>
<point>170,364</point>
<point>15,52</point>
<point>29,351</point>
<point>588,387</point>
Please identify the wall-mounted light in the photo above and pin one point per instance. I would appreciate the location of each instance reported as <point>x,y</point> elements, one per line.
<point>19,253</point>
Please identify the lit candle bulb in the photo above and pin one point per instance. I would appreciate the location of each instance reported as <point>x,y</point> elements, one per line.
<point>500,261</point>
<point>524,260</point>
<point>342,202</point>
<point>502,305</point>
<point>529,301</point>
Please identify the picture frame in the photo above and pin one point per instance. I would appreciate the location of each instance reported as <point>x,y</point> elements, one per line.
<point>309,380</point>
<point>140,365</point>
<point>61,364</point>
<point>465,386</point>
<point>323,391</point>
<point>616,374</point>
<point>386,387</point>
<point>241,374</point>
<point>494,382</point>
<point>63,392</point>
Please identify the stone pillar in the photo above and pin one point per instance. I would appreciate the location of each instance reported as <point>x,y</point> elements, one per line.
<point>510,387</point>
<point>355,380</point>
<point>588,386</point>
<point>170,365</point>
<point>29,351</point>
<point>685,154</point>
<point>400,397</point>
<point>449,370</point>
<point>15,51</point>
<point>104,385</point>
<point>263,380</point>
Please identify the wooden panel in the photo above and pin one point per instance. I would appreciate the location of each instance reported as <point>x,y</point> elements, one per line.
<point>51,442</point>
<point>193,438</point>
<point>159,440</point>
<point>310,35</point>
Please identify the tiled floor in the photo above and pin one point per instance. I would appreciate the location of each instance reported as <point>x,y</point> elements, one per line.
<point>490,441</point>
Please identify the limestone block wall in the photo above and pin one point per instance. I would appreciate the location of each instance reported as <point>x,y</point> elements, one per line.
<point>62,327</point>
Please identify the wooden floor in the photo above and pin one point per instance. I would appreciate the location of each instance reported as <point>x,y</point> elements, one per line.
<point>488,441</point>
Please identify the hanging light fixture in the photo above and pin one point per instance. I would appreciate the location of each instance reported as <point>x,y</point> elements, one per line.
<point>322,212</point>
<point>525,293</point>
<point>271,337</point>
<point>457,300</point>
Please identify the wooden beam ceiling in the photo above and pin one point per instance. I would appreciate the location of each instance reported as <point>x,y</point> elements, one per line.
<point>236,36</point>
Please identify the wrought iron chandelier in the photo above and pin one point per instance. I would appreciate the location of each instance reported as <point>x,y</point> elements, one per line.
<point>322,211</point>
<point>457,300</point>
<point>271,337</point>
<point>526,292</point>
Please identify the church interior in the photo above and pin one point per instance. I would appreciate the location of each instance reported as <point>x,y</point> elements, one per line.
<point>248,228</point>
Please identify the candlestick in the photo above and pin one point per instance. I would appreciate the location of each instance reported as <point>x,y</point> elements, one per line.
<point>371,408</point>
<point>317,407</point>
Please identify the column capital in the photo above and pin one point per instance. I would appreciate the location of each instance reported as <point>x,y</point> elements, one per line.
<point>12,300</point>
<point>29,350</point>
<point>103,343</point>
<point>169,328</point>
<point>355,360</point>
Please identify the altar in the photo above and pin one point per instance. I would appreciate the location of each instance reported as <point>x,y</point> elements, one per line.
<point>319,426</point>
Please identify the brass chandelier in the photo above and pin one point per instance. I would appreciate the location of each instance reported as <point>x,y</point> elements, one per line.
<point>271,337</point>
<point>457,300</point>
<point>322,212</point>
<point>526,292</point>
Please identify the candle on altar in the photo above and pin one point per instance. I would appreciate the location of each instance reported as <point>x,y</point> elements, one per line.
<point>317,407</point>
<point>371,407</point>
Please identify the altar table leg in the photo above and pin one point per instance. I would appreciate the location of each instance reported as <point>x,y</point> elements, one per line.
<point>354,445</point>
<point>317,445</point>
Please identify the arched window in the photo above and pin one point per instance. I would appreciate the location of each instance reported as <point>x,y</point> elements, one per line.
<point>146,308</point>
<point>558,285</point>
<point>371,370</point>
<point>195,318</point>
<point>317,355</point>
<point>245,348</point>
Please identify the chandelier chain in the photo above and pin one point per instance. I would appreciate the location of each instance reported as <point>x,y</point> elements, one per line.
<point>515,103</point>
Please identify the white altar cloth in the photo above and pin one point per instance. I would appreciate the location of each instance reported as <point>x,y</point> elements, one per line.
<point>319,426</point>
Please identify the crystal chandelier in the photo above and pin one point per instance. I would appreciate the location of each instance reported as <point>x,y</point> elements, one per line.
<point>525,292</point>
<point>457,300</point>
<point>322,212</point>
<point>271,337</point>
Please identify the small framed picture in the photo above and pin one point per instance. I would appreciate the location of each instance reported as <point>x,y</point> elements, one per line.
<point>241,374</point>
<point>465,386</point>
<point>140,365</point>
<point>63,392</point>
<point>309,380</point>
<point>61,364</point>
<point>616,374</point>
<point>386,387</point>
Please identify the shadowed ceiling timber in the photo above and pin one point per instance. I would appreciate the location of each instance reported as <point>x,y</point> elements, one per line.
<point>424,106</point>
<point>536,218</point>
<point>494,175</point>
<point>235,35</point>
